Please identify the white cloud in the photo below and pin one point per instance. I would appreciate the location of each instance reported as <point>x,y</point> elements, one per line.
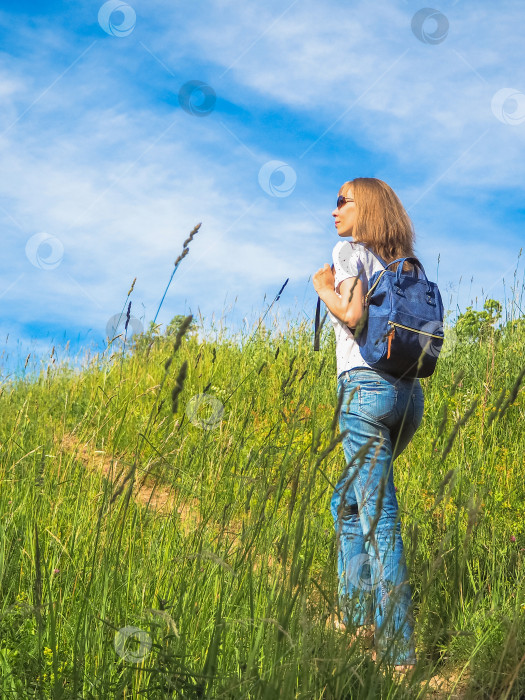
<point>422,104</point>
<point>121,177</point>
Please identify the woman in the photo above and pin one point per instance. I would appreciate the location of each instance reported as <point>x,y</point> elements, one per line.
<point>381,414</point>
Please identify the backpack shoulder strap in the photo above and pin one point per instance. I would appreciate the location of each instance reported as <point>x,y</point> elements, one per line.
<point>317,318</point>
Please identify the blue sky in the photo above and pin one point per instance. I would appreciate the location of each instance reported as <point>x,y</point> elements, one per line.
<point>108,160</point>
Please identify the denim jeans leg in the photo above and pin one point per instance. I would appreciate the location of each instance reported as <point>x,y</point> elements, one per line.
<point>412,399</point>
<point>355,602</point>
<point>374,493</point>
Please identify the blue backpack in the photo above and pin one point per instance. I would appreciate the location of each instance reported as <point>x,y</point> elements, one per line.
<point>403,326</point>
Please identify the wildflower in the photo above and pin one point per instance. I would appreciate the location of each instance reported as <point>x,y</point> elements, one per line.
<point>512,538</point>
<point>56,571</point>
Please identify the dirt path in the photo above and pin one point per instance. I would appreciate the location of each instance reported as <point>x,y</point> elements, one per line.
<point>162,500</point>
<point>146,492</point>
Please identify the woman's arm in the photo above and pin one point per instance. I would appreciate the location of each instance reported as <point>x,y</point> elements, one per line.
<point>348,306</point>
<point>353,300</point>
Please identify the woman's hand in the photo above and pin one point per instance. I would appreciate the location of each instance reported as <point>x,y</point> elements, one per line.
<point>324,278</point>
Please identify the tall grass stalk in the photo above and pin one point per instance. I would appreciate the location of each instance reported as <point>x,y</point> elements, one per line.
<point>120,508</point>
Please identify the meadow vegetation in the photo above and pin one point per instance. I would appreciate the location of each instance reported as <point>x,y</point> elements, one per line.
<point>154,544</point>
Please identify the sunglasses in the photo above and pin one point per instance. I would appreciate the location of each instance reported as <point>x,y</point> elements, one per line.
<point>342,200</point>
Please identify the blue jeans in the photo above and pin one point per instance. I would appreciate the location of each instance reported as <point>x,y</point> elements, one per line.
<point>382,413</point>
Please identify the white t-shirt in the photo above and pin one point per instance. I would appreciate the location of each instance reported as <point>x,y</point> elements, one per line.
<point>349,259</point>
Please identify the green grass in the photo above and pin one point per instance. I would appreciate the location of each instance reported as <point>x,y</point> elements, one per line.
<point>232,581</point>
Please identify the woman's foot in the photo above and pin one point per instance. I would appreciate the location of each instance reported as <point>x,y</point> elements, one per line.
<point>335,621</point>
<point>364,637</point>
<point>404,670</point>
<point>363,633</point>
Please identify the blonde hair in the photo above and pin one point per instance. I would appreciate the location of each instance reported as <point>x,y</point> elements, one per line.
<point>382,223</point>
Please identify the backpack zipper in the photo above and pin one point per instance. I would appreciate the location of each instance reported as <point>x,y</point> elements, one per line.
<point>390,336</point>
<point>391,333</point>
<point>407,328</point>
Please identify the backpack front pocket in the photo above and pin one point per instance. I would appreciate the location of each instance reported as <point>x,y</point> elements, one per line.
<point>428,342</point>
<point>407,346</point>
